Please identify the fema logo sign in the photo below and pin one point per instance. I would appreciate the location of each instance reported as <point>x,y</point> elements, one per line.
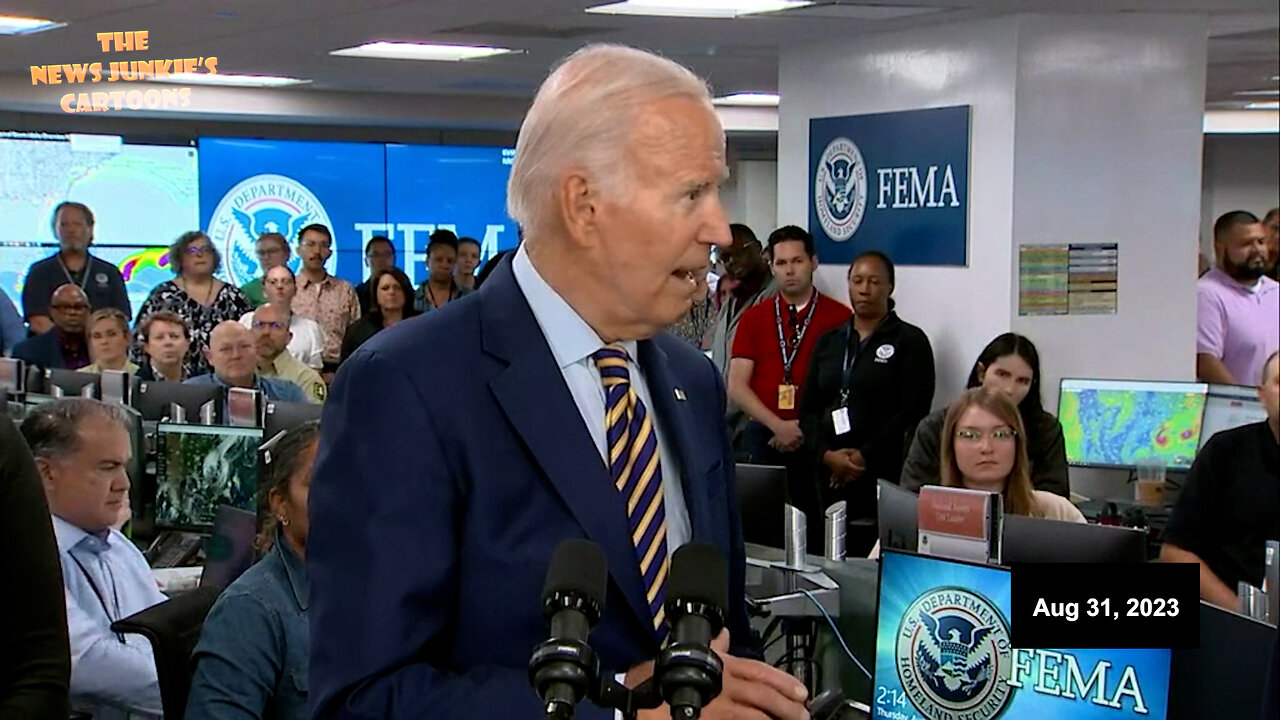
<point>257,205</point>
<point>840,189</point>
<point>953,655</point>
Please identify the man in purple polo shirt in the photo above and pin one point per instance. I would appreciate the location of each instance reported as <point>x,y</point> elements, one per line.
<point>1238,307</point>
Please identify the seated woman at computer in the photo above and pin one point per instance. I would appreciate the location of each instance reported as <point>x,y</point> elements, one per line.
<point>109,342</point>
<point>1230,504</point>
<point>984,447</point>
<point>1010,366</point>
<point>251,660</point>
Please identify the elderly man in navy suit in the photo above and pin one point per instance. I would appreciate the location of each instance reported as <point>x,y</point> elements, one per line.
<point>459,448</point>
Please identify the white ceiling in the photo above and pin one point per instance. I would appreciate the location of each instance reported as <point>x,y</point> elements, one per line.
<point>294,37</point>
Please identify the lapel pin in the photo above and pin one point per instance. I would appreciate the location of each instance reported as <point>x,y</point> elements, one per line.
<point>680,395</point>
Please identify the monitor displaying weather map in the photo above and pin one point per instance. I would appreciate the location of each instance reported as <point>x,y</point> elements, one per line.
<point>199,467</point>
<point>142,197</point>
<point>944,652</point>
<point>1126,423</point>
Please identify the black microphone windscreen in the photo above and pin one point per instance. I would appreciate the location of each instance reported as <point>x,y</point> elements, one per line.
<point>699,574</point>
<point>577,566</point>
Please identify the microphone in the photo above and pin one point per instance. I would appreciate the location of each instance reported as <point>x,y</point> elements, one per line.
<point>688,672</point>
<point>563,669</point>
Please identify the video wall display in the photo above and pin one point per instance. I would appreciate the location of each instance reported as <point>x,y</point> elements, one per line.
<point>145,196</point>
<point>142,197</point>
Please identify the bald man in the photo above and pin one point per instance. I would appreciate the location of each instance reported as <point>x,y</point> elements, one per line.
<point>233,354</point>
<point>64,346</point>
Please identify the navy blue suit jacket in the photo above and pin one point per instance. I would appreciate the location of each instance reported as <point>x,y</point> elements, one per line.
<point>452,462</point>
<point>43,351</point>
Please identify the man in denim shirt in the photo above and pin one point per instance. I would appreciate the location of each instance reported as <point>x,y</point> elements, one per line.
<point>251,661</point>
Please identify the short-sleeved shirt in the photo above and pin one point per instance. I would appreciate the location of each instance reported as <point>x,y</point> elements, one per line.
<point>757,340</point>
<point>1238,325</point>
<point>307,343</point>
<point>1230,504</point>
<point>287,367</point>
<point>331,302</point>
<point>100,279</point>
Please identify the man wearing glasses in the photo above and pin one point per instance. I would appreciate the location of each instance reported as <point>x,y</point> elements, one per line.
<point>64,346</point>
<point>306,343</point>
<point>272,250</point>
<point>328,300</point>
<point>771,358</point>
<point>272,337</point>
<point>100,280</point>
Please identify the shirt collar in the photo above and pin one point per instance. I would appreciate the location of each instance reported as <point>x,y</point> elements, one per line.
<point>308,282</point>
<point>570,337</point>
<point>257,381</point>
<point>294,569</point>
<point>69,536</point>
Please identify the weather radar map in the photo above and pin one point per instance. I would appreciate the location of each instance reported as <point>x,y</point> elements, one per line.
<point>1117,423</point>
<point>142,196</point>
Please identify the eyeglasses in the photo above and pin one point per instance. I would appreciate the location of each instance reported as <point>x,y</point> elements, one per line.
<point>265,325</point>
<point>199,250</point>
<point>973,435</point>
<point>270,252</point>
<point>73,307</point>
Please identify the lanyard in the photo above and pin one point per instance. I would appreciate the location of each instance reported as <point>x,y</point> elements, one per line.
<point>788,359</point>
<point>88,265</point>
<point>98,593</point>
<point>431,294</point>
<point>851,358</point>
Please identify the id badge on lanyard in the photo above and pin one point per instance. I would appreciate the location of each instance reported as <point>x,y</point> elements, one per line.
<point>840,416</point>
<point>787,390</point>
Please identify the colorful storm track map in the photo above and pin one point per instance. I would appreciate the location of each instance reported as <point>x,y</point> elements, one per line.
<point>1121,423</point>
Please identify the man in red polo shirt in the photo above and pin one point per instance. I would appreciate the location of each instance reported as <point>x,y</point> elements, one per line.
<point>771,358</point>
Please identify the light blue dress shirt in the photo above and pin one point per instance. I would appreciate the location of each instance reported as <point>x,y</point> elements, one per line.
<point>572,343</point>
<point>109,678</point>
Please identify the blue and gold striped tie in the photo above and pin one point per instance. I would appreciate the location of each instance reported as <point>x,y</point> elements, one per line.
<point>637,474</point>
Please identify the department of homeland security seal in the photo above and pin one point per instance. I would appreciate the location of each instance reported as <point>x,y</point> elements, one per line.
<point>953,655</point>
<point>257,205</point>
<point>840,189</point>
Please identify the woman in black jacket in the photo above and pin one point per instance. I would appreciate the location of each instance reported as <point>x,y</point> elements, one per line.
<point>870,381</point>
<point>1009,365</point>
<point>392,302</point>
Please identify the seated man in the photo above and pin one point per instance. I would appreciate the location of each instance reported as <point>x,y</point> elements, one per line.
<point>65,346</point>
<point>1230,504</point>
<point>307,341</point>
<point>82,448</point>
<point>235,364</point>
<point>271,334</point>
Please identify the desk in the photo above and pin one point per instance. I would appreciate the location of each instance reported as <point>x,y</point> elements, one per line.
<point>858,580</point>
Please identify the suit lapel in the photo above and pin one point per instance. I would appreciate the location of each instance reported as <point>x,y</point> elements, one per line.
<point>537,402</point>
<point>675,414</point>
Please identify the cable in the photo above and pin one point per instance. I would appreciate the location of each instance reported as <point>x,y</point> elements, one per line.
<point>836,630</point>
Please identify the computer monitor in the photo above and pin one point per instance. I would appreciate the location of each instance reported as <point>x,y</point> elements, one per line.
<point>762,499</point>
<point>1230,406</point>
<point>13,377</point>
<point>117,386</point>
<point>1028,539</point>
<point>899,514</point>
<point>177,402</point>
<point>943,650</point>
<point>70,383</point>
<point>1226,676</point>
<point>281,416</point>
<point>199,467</point>
<point>229,550</point>
<point>1124,423</point>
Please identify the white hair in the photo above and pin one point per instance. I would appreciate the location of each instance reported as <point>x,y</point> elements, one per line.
<point>582,116</point>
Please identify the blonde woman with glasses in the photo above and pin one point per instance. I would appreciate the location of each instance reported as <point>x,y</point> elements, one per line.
<point>984,447</point>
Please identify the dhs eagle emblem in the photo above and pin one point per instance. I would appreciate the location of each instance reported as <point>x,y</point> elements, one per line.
<point>953,655</point>
<point>257,205</point>
<point>840,189</point>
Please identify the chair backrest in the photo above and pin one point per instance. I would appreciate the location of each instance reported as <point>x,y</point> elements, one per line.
<point>173,627</point>
<point>762,499</point>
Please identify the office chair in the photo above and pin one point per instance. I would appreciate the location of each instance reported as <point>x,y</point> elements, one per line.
<point>173,627</point>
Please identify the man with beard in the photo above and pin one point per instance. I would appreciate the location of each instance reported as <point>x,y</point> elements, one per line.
<point>1238,307</point>
<point>100,280</point>
<point>747,272</point>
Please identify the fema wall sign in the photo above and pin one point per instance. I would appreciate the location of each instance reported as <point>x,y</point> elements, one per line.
<point>897,182</point>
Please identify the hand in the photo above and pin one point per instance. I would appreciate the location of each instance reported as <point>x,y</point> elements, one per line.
<point>787,436</point>
<point>846,466</point>
<point>751,690</point>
